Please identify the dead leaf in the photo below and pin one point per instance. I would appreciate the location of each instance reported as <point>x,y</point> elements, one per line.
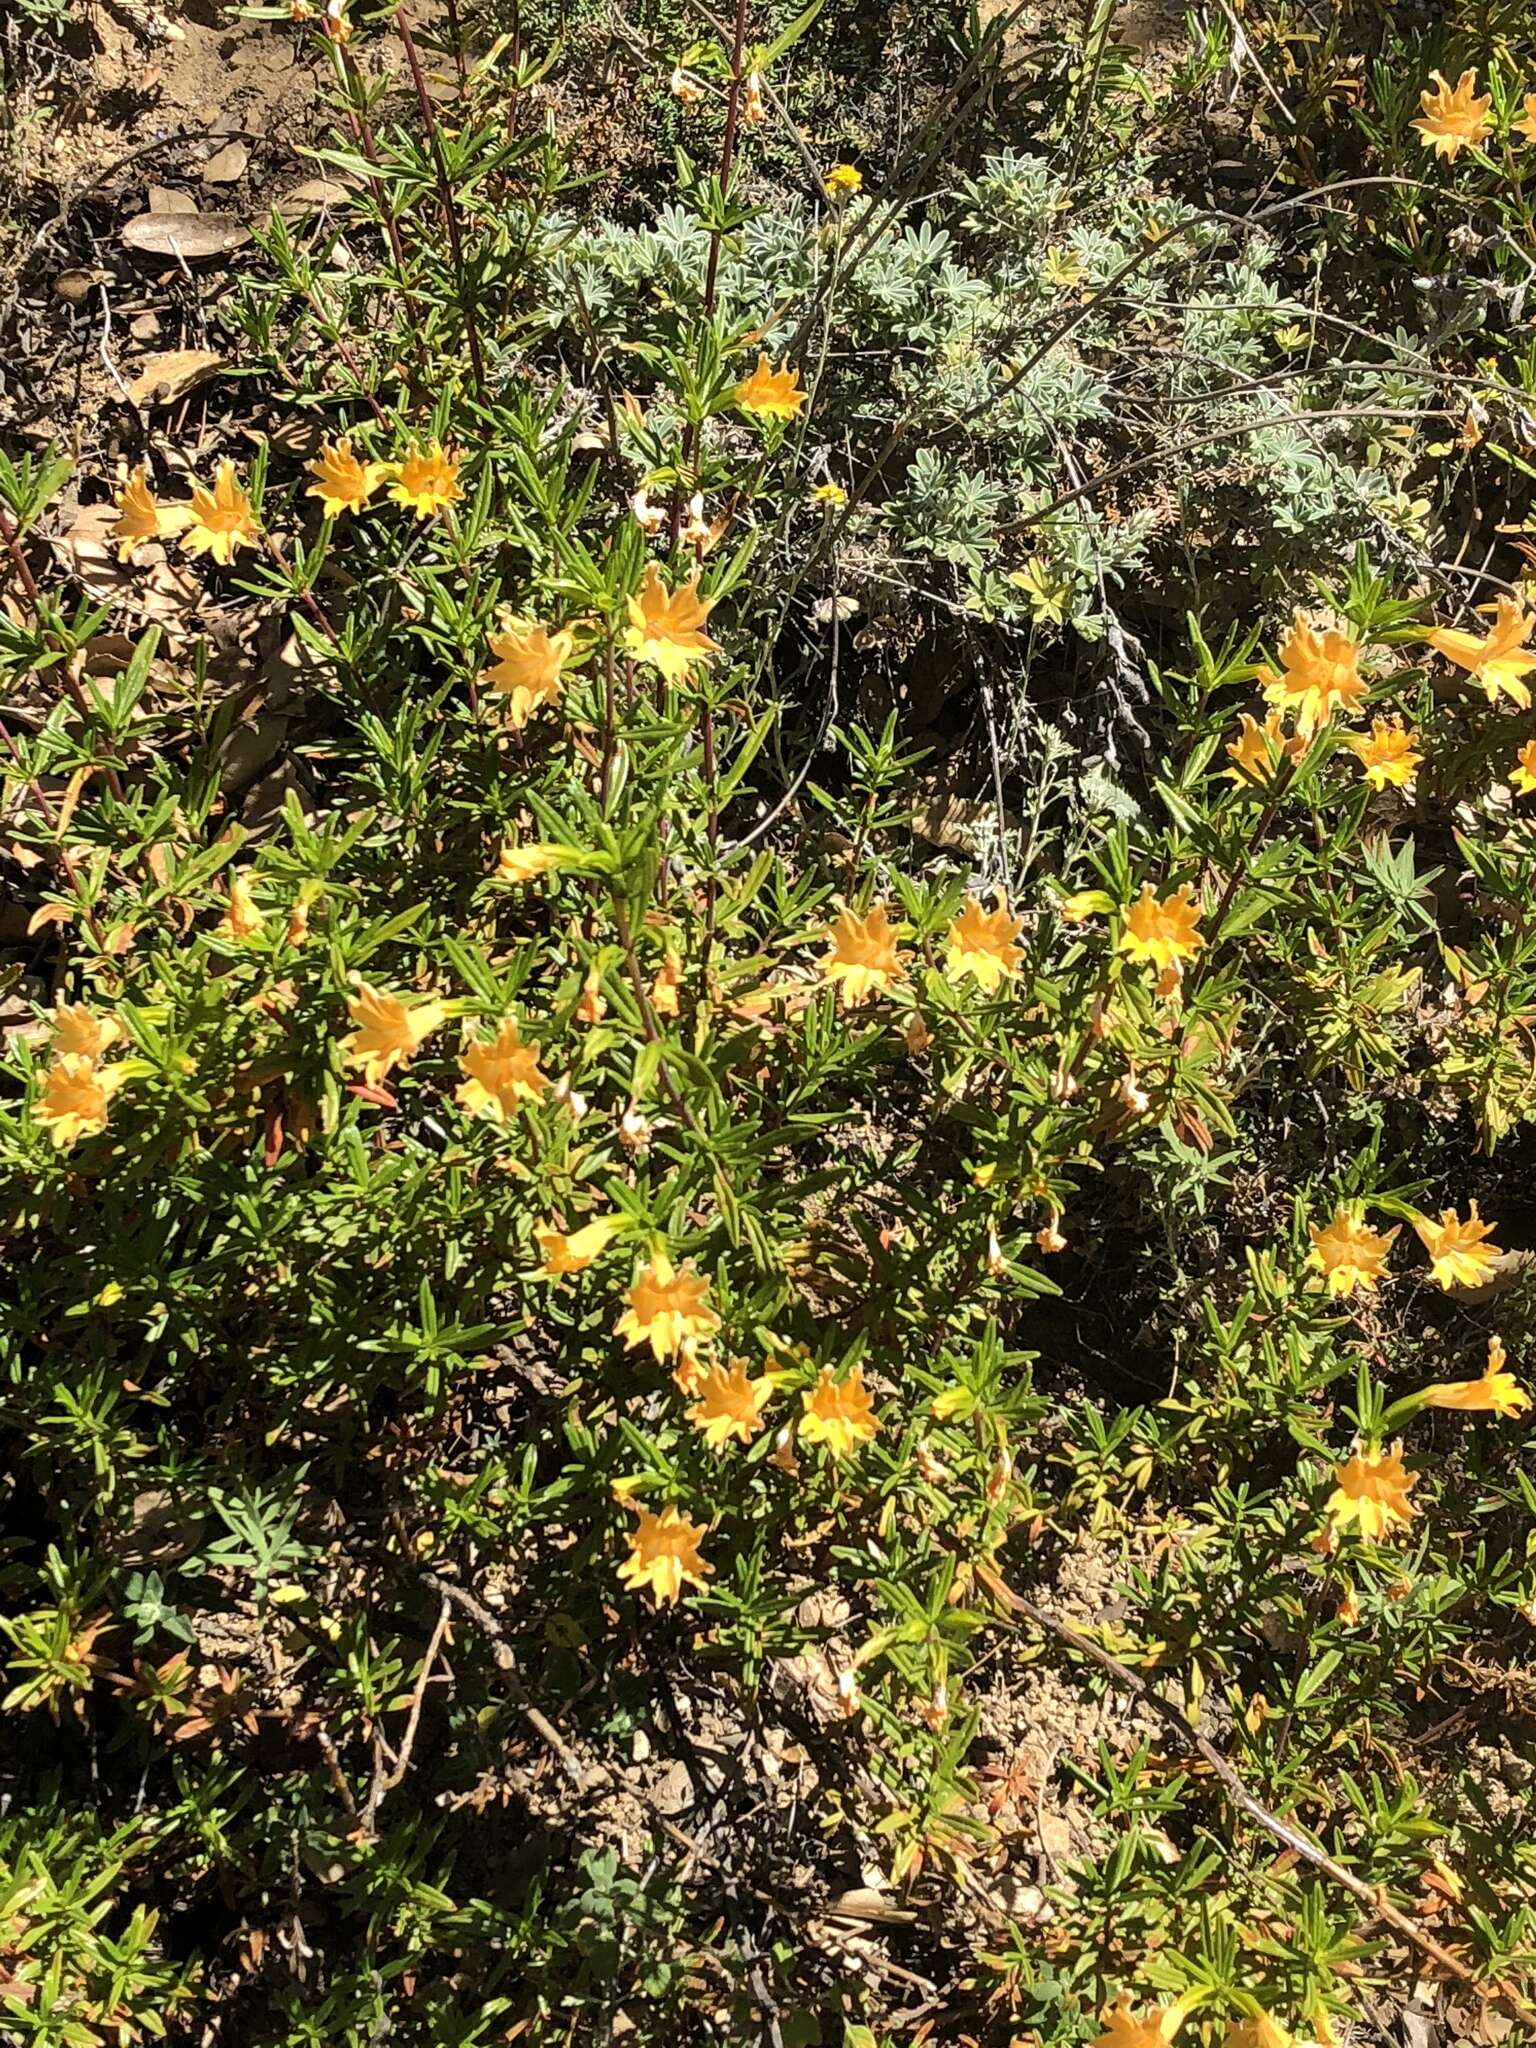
<point>74,286</point>
<point>166,199</point>
<point>195,238</point>
<point>227,165</point>
<point>160,591</point>
<point>171,374</point>
<point>312,197</point>
<point>46,914</point>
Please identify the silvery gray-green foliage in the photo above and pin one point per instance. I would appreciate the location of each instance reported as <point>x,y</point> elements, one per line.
<point>1014,339</point>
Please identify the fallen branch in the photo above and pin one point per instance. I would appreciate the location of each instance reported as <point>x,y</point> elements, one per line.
<point>385,1783</point>
<point>1190,1738</point>
<point>506,1663</point>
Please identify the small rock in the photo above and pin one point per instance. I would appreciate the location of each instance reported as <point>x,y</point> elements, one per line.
<point>640,1746</point>
<point>673,1790</point>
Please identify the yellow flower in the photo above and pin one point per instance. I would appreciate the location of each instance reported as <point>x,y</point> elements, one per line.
<point>729,1405</point>
<point>1348,1253</point>
<point>664,989</point>
<point>1123,2030</point>
<point>774,393</point>
<point>530,664</point>
<point>666,627</point>
<point>220,521</point>
<point>1372,1492</point>
<point>521,863</point>
<point>242,920</point>
<point>663,1552</point>
<point>981,944</point>
<point>573,1253</point>
<point>343,483</point>
<point>1458,1255</point>
<point>80,1033</point>
<point>862,956</point>
<point>75,1098</point>
<point>1454,119</point>
<point>1258,751</point>
<point>1498,660</point>
<point>844,178</point>
<point>684,86</point>
<point>1258,2032</point>
<point>500,1073</point>
<point>1524,773</point>
<point>1497,1392</point>
<point>141,516</point>
<point>1162,930</point>
<point>1527,127</point>
<point>1319,674</point>
<point>427,482</point>
<point>839,1414</point>
<point>829,494</point>
<point>667,1310</point>
<point>1388,754</point>
<point>389,1031</point>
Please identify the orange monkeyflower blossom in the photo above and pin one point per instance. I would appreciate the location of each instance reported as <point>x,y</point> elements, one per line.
<point>1458,1253</point>
<point>220,521</point>
<point>1348,1253</point>
<point>1319,674</point>
<point>1499,659</point>
<point>1085,904</point>
<point>862,956</point>
<point>753,110</point>
<point>76,1097</point>
<point>77,1031</point>
<point>1388,755</point>
<point>390,1031</point>
<point>684,86</point>
<point>1259,750</point>
<point>1496,1392</point>
<point>530,666</point>
<point>774,393</point>
<point>517,863</point>
<point>730,1405</point>
<point>141,516</point>
<point>843,178</point>
<point>1454,118</point>
<point>1523,775</point>
<point>1527,127</point>
<point>838,1413</point>
<point>1162,929</point>
<point>1259,2031</point>
<point>427,481</point>
<point>981,944</point>
<point>242,920</point>
<point>663,1553</point>
<point>666,627</point>
<point>668,1310</point>
<point>1372,1493</point>
<point>499,1073</point>
<point>343,481</point>
<point>1123,2030</point>
<point>664,989</point>
<point>572,1252</point>
<point>591,1007</point>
